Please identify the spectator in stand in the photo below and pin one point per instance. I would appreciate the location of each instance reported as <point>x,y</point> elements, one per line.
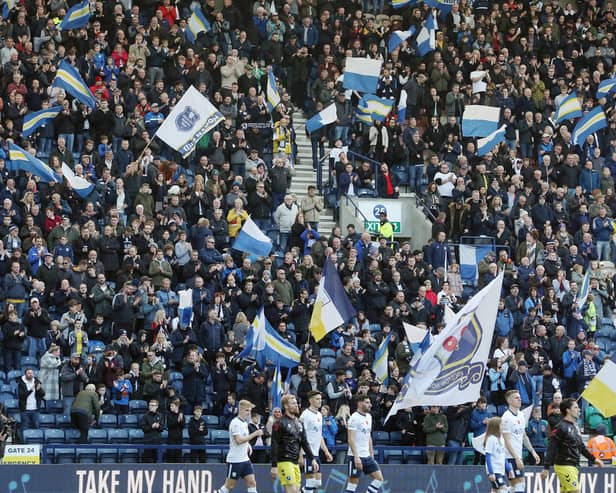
<point>436,427</point>
<point>85,411</point>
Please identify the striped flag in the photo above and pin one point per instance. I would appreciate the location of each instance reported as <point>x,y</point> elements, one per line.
<point>76,17</point>
<point>23,160</point>
<point>402,106</point>
<point>601,391</point>
<point>426,39</point>
<point>7,7</point>
<point>197,23</point>
<point>185,307</point>
<point>380,365</point>
<point>488,143</point>
<point>582,295</point>
<point>569,107</point>
<point>363,114</point>
<point>69,79</point>
<point>272,96</point>
<point>80,185</point>
<point>397,37</point>
<point>479,120</point>
<point>398,4</point>
<point>251,239</point>
<point>593,121</point>
<point>32,121</point>
<point>606,87</point>
<point>276,389</point>
<point>322,118</point>
<point>362,74</point>
<point>379,108</point>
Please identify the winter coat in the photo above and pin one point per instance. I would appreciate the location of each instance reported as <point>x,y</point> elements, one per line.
<point>50,375</point>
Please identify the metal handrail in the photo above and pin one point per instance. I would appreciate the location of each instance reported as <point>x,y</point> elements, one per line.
<point>356,207</point>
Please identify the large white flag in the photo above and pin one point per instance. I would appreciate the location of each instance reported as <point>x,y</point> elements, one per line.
<point>191,118</point>
<point>451,370</point>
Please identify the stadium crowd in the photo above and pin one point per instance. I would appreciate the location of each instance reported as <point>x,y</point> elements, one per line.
<point>90,285</point>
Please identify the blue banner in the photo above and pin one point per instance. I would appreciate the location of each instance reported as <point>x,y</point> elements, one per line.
<point>207,478</point>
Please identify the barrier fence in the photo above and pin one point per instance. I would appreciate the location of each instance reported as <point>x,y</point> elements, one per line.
<point>206,478</point>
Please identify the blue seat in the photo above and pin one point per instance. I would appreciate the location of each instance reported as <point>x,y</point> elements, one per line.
<point>54,435</point>
<point>63,421</point>
<point>186,437</point>
<point>33,436</point>
<point>395,456</point>
<point>53,406</point>
<point>11,406</point>
<point>137,407</point>
<point>211,420</point>
<point>95,346</point>
<point>64,456</point>
<point>380,437</point>
<point>48,421</point>
<point>128,420</point>
<point>135,435</point>
<point>6,396</point>
<point>128,455</point>
<point>29,362</point>
<point>327,352</point>
<point>86,456</point>
<point>329,377</point>
<point>5,388</point>
<point>395,437</point>
<point>175,375</point>
<point>214,455</point>
<point>97,436</point>
<point>3,376</point>
<point>14,375</point>
<point>219,437</point>
<point>108,421</point>
<point>491,408</point>
<point>412,456</point>
<point>107,455</point>
<point>71,435</point>
<point>328,364</point>
<point>117,435</point>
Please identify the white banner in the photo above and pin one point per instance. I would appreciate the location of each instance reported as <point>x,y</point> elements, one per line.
<point>372,208</point>
<point>191,118</point>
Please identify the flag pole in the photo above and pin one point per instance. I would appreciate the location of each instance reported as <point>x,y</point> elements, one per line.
<point>145,149</point>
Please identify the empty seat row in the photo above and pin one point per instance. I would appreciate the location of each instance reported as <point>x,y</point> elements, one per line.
<point>122,455</point>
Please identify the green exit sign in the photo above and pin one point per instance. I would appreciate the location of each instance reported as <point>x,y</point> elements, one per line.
<point>373,226</point>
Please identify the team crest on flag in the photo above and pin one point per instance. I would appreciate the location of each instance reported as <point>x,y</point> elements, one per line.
<point>187,119</point>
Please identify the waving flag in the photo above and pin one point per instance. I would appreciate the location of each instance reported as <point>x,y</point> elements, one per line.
<point>251,239</point>
<point>363,114</point>
<point>197,23</point>
<point>23,160</point>
<point>322,118</point>
<point>479,120</point>
<point>362,74</point>
<point>426,39</point>
<point>601,391</point>
<point>451,370</point>
<point>569,107</point>
<point>276,389</point>
<point>606,87</point>
<point>591,122</point>
<point>402,106</point>
<point>582,295</point>
<point>268,345</point>
<point>273,98</point>
<point>69,79</point>
<point>488,143</point>
<point>32,121</point>
<point>76,17</point>
<point>470,255</point>
<point>398,4</point>
<point>332,307</point>
<point>380,365</point>
<point>7,7</point>
<point>185,307</point>
<point>191,118</point>
<point>397,37</point>
<point>379,108</point>
<point>443,6</point>
<point>80,185</point>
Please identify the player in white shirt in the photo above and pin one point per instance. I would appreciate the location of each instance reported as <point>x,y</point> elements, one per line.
<point>238,460</point>
<point>497,466</point>
<point>513,427</point>
<point>361,453</point>
<point>312,419</point>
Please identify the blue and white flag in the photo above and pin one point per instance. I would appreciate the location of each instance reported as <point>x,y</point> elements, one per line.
<point>397,37</point>
<point>76,17</point>
<point>251,239</point>
<point>488,143</point>
<point>268,345</point>
<point>362,74</point>
<point>593,121</point>
<point>443,6</point>
<point>363,114</point>
<point>380,367</point>
<point>68,78</point>
<point>19,159</point>
<point>582,295</point>
<point>569,107</point>
<point>452,369</point>
<point>34,120</point>
<point>379,108</point>
<point>191,118</point>
<point>185,307</point>
<point>272,96</point>
<point>332,307</point>
<point>479,120</point>
<point>426,39</point>
<point>402,106</point>
<point>398,4</point>
<point>80,185</point>
<point>322,118</point>
<point>197,23</point>
<point>606,87</point>
<point>470,255</point>
<point>276,390</point>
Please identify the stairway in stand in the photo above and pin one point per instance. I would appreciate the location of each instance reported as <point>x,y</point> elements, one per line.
<point>304,175</point>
